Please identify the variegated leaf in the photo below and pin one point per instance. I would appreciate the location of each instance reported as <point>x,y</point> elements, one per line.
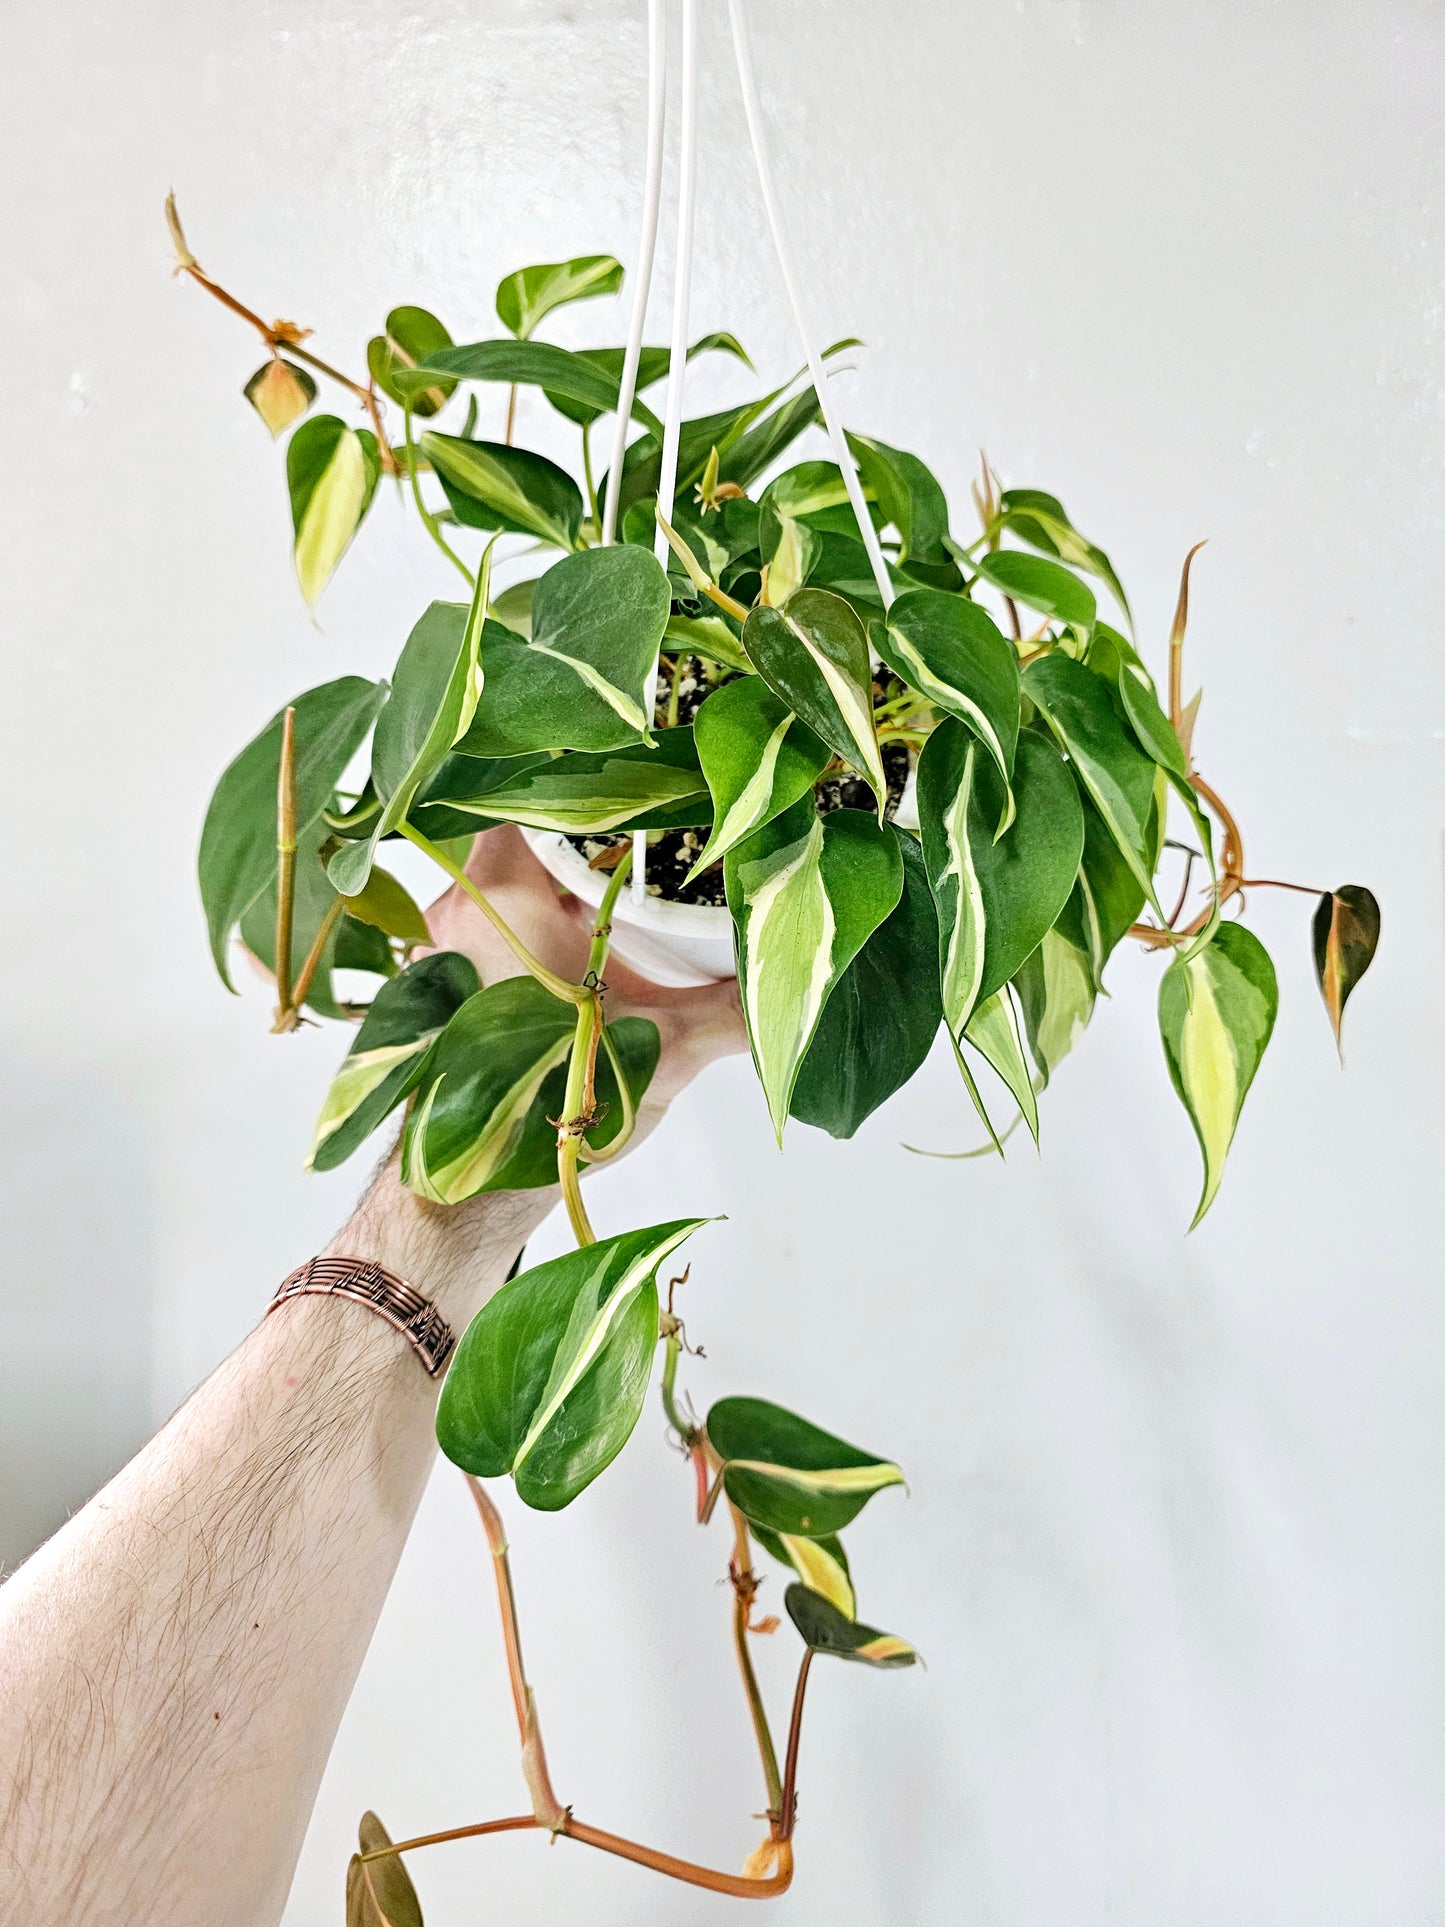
<point>279,392</point>
<point>788,1476</point>
<point>331,474</point>
<point>819,1563</point>
<point>1046,586</point>
<point>480,1080</point>
<point>1056,990</point>
<point>528,295</point>
<point>995,1032</point>
<point>1040,520</point>
<point>996,895</point>
<point>1084,714</point>
<point>580,794</point>
<point>1346,934</point>
<point>385,1059</point>
<point>411,335</point>
<point>579,680</point>
<point>952,652</point>
<point>814,654</point>
<point>1216,1012</point>
<point>827,1630</point>
<point>806,892</point>
<point>758,759</point>
<point>492,486</point>
<point>549,1378</point>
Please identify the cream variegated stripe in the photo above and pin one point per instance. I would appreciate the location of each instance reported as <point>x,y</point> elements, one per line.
<point>995,1030</point>
<point>1068,999</point>
<point>886,1646</point>
<point>492,1145</point>
<point>950,698</point>
<point>584,809</point>
<point>817,1567</point>
<point>792,559</point>
<point>330,516</point>
<point>838,1478</point>
<point>853,705</point>
<point>357,1079</point>
<point>615,698</point>
<point>1209,1069</point>
<point>748,809</point>
<point>606,1316</point>
<point>963,949</point>
<point>788,936</point>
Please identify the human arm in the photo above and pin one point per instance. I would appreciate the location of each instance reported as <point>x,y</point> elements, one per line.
<point>176,1660</point>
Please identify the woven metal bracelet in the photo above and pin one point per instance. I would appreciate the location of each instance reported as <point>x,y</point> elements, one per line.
<point>381,1291</point>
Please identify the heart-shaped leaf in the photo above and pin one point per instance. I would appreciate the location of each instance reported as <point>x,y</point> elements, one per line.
<point>880,1019</point>
<point>411,335</point>
<point>238,844</point>
<point>953,653</point>
<point>331,473</point>
<point>433,696</point>
<point>579,681</point>
<point>757,757</point>
<point>492,486</point>
<point>789,1476</point>
<point>827,1630</point>
<point>1216,1012</point>
<point>814,654</point>
<point>908,496</point>
<point>1346,934</point>
<point>1084,714</point>
<point>1046,586</point>
<point>549,1377</point>
<point>529,295</point>
<point>383,1064</point>
<point>806,893</point>
<point>279,392</point>
<point>996,895</point>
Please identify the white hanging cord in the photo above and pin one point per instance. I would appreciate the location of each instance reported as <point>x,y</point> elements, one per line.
<point>646,248</point>
<point>841,453</point>
<point>677,356</point>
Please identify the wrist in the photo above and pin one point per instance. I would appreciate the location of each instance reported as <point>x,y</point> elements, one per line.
<point>456,1255</point>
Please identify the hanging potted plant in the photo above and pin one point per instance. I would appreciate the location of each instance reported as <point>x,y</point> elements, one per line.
<point>793,718</point>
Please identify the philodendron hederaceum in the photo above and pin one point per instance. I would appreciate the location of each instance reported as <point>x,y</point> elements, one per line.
<point>1034,841</point>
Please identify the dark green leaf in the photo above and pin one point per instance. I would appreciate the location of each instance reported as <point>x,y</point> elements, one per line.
<point>531,364</point>
<point>637,788</point>
<point>549,1378</point>
<point>1045,586</point>
<point>826,1630</point>
<point>758,759</point>
<point>908,496</point>
<point>787,1475</point>
<point>882,1016</point>
<point>953,653</point>
<point>491,486</point>
<point>651,367</point>
<point>814,654</point>
<point>1039,520</point>
<point>382,1066</point>
<point>533,1162</point>
<point>805,893</point>
<point>411,335</point>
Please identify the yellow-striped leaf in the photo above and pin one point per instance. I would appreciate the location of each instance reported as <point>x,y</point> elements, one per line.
<point>821,1564</point>
<point>995,1032</point>
<point>757,757</point>
<point>331,473</point>
<point>805,893</point>
<point>825,1629</point>
<point>549,1378</point>
<point>789,1476</point>
<point>814,654</point>
<point>1216,1012</point>
<point>492,486</point>
<point>579,794</point>
<point>528,295</point>
<point>952,652</point>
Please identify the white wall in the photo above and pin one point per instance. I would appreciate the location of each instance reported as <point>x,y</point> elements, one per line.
<point>1174,1544</point>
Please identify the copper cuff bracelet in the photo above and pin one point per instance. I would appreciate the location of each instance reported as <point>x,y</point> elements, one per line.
<point>365,1283</point>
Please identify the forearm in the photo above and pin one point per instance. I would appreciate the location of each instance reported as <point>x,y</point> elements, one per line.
<point>175,1662</point>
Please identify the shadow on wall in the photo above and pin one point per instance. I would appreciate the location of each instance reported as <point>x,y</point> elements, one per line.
<point>76,1201</point>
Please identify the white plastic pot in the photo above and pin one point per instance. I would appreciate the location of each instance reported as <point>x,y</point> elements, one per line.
<point>678,945</point>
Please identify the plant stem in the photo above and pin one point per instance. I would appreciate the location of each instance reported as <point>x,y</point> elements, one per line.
<point>559,986</point>
<point>285,867</point>
<point>429,521</point>
<point>795,1735</point>
<point>511,413</point>
<point>587,472</point>
<point>312,961</point>
<point>1176,643</point>
<point>580,1102</point>
<point>745,1588</point>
